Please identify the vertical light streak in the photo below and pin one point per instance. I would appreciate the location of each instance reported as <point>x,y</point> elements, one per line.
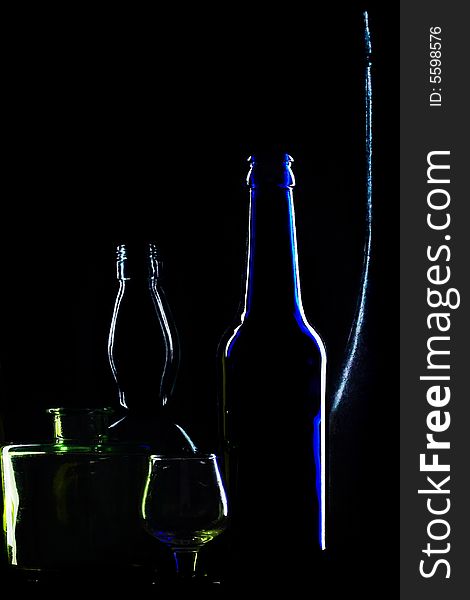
<point>355,335</point>
<point>12,502</point>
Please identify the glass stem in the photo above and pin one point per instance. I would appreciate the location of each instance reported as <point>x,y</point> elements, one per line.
<point>185,561</point>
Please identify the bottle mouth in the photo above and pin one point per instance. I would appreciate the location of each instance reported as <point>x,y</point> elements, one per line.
<point>270,168</point>
<point>80,425</point>
<point>270,157</point>
<point>138,261</point>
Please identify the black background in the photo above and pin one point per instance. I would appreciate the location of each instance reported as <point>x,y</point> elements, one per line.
<point>126,127</point>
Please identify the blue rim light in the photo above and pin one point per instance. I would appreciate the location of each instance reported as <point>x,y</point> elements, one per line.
<point>319,422</point>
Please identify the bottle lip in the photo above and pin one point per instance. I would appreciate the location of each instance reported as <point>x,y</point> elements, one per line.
<point>77,425</point>
<point>270,169</point>
<point>145,260</point>
<point>274,158</point>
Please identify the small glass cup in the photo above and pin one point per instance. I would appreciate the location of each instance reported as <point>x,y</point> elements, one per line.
<point>184,505</point>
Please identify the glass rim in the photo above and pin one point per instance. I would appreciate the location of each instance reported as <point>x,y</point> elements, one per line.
<point>199,456</point>
<point>78,410</point>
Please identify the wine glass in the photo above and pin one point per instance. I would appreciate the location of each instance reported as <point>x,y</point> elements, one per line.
<point>184,505</point>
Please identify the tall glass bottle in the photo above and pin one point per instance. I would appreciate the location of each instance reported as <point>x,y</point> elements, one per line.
<point>144,353</point>
<point>273,397</point>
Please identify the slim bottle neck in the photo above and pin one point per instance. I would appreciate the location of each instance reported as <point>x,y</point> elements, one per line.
<point>272,284</point>
<point>272,280</point>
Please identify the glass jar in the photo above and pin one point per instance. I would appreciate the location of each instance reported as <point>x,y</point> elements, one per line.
<point>75,504</point>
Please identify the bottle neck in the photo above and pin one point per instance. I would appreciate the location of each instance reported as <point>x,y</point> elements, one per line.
<point>75,426</point>
<point>141,261</point>
<point>272,283</point>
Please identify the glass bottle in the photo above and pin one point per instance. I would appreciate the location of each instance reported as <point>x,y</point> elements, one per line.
<point>144,354</point>
<point>273,366</point>
<point>72,506</point>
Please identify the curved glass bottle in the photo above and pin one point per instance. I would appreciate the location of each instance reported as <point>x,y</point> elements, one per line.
<point>144,353</point>
<point>273,395</point>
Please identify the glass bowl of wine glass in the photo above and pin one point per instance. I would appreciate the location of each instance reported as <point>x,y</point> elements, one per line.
<point>184,506</point>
